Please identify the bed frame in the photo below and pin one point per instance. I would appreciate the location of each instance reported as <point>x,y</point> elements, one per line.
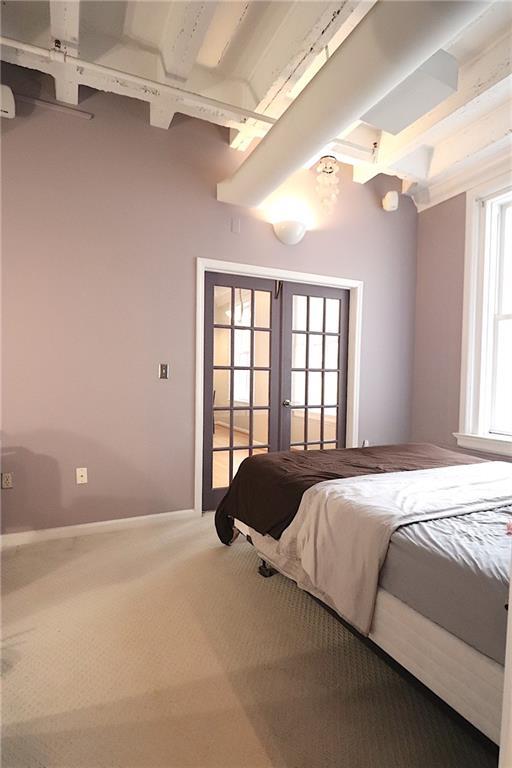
<point>470,683</point>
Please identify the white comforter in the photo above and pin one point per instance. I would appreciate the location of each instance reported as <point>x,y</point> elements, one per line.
<point>342,529</point>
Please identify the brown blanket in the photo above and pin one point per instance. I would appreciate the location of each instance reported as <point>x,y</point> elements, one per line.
<point>267,489</point>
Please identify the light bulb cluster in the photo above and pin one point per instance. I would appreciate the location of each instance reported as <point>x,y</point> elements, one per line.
<point>327,181</point>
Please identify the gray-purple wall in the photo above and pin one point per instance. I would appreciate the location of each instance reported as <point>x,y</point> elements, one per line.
<point>102,223</point>
<point>438,333</point>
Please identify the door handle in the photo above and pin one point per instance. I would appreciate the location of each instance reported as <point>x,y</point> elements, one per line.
<point>287,403</point>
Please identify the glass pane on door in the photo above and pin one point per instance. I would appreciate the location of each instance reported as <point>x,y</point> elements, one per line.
<point>241,361</point>
<point>243,306</point>
<point>222,346</point>
<point>262,309</point>
<point>300,313</point>
<point>221,387</point>
<point>220,467</point>
<point>222,305</point>
<point>298,420</point>
<point>314,375</point>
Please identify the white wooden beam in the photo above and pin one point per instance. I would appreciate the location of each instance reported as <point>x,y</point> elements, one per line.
<point>427,195</point>
<point>66,90</point>
<point>355,146</point>
<point>293,46</point>
<point>484,84</point>
<point>65,35</point>
<point>104,78</point>
<point>364,172</point>
<point>65,25</point>
<point>408,33</point>
<point>488,135</point>
<point>185,29</point>
<point>161,113</point>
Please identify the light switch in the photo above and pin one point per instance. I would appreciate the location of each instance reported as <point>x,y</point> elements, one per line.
<point>163,371</point>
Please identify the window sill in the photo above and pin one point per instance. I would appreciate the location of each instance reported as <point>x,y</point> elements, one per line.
<point>485,443</point>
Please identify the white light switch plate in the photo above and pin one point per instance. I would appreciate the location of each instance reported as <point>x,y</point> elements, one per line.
<point>81,475</point>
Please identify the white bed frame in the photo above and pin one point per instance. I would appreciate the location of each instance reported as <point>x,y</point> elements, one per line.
<point>470,682</point>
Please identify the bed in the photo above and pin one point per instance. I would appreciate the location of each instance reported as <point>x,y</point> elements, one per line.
<point>406,543</point>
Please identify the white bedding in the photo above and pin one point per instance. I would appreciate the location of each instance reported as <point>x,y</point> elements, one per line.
<point>342,529</point>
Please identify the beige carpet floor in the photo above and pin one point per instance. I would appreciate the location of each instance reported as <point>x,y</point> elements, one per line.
<point>157,647</point>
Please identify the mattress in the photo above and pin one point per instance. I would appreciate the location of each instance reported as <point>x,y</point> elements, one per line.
<point>469,681</point>
<point>451,570</point>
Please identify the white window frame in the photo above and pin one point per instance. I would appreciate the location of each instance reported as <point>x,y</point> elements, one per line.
<point>477,337</point>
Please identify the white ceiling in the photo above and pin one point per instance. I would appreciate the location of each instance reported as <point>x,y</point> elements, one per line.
<point>241,64</point>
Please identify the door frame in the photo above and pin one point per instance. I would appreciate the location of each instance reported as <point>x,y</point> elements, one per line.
<point>270,273</point>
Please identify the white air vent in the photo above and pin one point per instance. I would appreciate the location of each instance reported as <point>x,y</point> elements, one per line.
<point>7,106</point>
<point>430,84</point>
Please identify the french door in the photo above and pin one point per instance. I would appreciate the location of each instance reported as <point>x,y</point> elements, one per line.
<point>275,371</point>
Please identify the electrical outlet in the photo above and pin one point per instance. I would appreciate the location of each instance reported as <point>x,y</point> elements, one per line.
<point>7,480</point>
<point>163,371</point>
<point>81,475</point>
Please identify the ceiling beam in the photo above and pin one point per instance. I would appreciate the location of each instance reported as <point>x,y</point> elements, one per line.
<point>161,112</point>
<point>104,78</point>
<point>184,32</point>
<point>488,135</point>
<point>293,46</point>
<point>484,83</point>
<point>453,184</point>
<point>408,34</point>
<point>65,37</point>
<point>356,145</point>
<point>485,78</point>
<point>65,25</point>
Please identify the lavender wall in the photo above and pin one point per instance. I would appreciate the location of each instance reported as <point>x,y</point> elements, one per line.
<point>439,296</point>
<point>102,223</point>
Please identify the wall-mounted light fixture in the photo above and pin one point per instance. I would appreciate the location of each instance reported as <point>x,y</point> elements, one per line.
<point>290,218</point>
<point>7,104</point>
<point>390,201</point>
<point>289,232</point>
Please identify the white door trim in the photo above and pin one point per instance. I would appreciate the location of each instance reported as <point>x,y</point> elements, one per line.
<point>354,344</point>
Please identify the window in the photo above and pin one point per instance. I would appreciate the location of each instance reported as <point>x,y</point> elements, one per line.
<point>501,362</point>
<point>486,383</point>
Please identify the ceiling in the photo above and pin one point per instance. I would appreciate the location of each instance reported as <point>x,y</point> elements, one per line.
<point>241,64</point>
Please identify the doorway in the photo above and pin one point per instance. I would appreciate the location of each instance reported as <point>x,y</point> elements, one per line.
<point>275,372</point>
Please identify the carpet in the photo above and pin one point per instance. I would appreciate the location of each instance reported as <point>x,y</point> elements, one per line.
<point>157,647</point>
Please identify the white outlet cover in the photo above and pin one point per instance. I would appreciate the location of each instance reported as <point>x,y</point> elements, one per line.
<point>81,475</point>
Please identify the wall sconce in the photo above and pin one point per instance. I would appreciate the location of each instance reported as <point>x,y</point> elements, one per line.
<point>290,217</point>
<point>289,232</point>
<point>390,201</point>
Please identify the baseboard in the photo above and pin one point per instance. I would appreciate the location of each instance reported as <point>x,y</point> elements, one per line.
<point>84,529</point>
